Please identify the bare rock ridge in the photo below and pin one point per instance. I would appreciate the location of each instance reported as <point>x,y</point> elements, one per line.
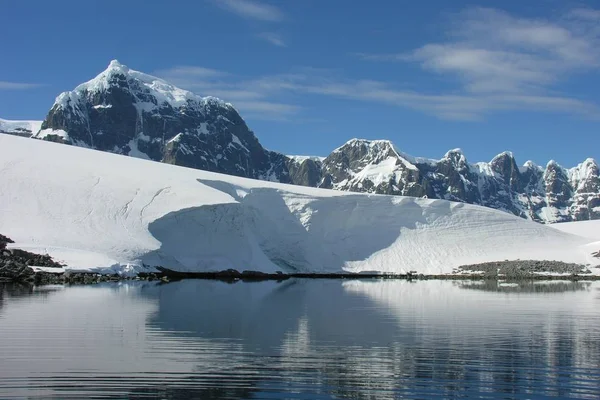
<point>128,112</point>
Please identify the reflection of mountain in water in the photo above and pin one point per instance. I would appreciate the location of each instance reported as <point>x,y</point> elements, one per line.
<point>22,290</point>
<point>317,339</point>
<point>370,339</point>
<point>523,286</point>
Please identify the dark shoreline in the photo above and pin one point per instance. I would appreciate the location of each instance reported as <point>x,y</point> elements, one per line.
<point>165,275</point>
<point>254,276</point>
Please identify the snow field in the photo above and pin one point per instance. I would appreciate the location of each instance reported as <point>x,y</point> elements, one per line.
<point>106,212</point>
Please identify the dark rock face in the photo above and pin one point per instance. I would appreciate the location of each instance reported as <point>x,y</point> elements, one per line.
<point>307,172</point>
<point>4,241</point>
<point>15,264</point>
<point>128,112</point>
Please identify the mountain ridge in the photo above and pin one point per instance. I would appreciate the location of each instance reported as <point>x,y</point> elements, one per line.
<point>128,112</point>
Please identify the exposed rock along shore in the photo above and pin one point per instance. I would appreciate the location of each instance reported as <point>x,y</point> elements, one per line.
<point>19,265</point>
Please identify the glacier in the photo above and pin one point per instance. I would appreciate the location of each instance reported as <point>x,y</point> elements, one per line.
<point>106,212</point>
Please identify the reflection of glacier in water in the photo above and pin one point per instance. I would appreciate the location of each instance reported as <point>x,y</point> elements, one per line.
<point>304,339</point>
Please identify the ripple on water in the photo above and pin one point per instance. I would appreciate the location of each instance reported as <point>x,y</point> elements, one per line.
<point>301,339</point>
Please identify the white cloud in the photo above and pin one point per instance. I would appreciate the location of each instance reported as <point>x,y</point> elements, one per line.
<point>253,97</point>
<point>505,62</point>
<point>262,97</point>
<point>272,38</point>
<point>585,13</point>
<point>187,70</point>
<point>18,85</point>
<point>497,62</point>
<point>252,10</point>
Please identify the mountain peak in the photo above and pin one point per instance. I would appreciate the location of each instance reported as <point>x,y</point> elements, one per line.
<point>453,153</point>
<point>367,142</point>
<point>552,164</point>
<point>504,154</point>
<point>115,65</point>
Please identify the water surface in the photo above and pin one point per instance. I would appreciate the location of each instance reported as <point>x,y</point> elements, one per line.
<point>301,339</point>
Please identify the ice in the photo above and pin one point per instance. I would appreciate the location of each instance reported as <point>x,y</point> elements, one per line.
<point>107,212</point>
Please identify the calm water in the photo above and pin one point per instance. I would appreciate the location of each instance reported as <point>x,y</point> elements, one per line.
<point>324,339</point>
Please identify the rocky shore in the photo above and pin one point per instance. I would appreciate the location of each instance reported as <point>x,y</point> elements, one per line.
<point>524,269</point>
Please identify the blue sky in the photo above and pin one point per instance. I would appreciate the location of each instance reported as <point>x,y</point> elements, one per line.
<point>307,75</point>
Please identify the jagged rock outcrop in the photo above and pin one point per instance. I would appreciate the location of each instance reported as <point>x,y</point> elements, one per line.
<point>16,264</point>
<point>371,166</point>
<point>551,194</point>
<point>132,113</point>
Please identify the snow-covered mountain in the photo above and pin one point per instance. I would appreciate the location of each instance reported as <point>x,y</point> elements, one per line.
<point>93,209</point>
<point>20,128</point>
<point>128,112</point>
<point>550,194</point>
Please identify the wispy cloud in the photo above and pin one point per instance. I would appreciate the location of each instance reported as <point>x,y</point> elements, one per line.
<point>585,13</point>
<point>268,97</point>
<point>19,85</point>
<point>199,72</point>
<point>506,62</point>
<point>252,10</point>
<point>272,38</point>
<point>496,62</point>
<point>445,106</point>
<point>251,96</point>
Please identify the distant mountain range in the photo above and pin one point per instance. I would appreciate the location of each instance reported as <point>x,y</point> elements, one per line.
<point>128,112</point>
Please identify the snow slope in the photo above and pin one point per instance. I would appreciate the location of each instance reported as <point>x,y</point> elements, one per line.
<point>587,229</point>
<point>31,127</point>
<point>100,210</point>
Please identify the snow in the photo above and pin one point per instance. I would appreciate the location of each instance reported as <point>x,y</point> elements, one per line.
<point>301,159</point>
<point>101,211</point>
<point>52,132</point>
<point>48,269</point>
<point>134,151</point>
<point>529,165</point>
<point>587,229</point>
<point>508,154</point>
<point>163,91</point>
<point>16,126</point>
<point>176,138</point>
<point>582,173</point>
<point>553,214</point>
<point>237,141</point>
<point>378,173</point>
<point>203,129</point>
